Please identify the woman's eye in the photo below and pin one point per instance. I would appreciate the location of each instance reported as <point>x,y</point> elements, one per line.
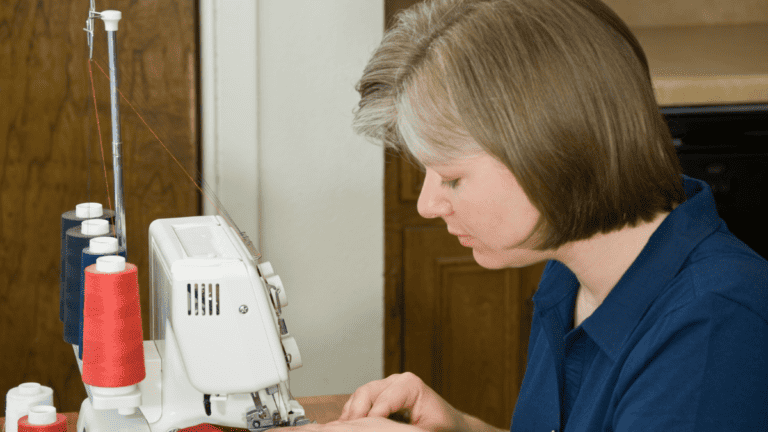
<point>451,183</point>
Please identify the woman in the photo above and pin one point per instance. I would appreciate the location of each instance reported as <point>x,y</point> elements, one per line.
<point>536,123</point>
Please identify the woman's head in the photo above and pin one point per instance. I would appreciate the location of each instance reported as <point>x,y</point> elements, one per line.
<point>558,91</point>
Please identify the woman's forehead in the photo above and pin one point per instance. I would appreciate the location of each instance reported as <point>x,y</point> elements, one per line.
<point>446,162</point>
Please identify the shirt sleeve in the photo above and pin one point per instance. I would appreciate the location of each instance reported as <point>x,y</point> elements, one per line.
<point>707,371</point>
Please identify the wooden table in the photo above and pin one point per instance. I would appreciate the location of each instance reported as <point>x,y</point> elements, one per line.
<point>322,409</point>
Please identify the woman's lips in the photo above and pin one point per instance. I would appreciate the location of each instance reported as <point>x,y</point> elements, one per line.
<point>463,238</point>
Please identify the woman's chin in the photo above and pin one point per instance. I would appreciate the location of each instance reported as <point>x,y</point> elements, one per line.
<point>494,260</point>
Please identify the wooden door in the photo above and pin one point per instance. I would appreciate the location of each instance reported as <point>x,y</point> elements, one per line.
<point>461,328</point>
<point>50,158</point>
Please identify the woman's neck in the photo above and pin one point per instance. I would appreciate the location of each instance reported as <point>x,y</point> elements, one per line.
<point>600,261</point>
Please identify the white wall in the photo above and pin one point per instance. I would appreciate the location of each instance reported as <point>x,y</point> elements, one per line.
<point>318,187</point>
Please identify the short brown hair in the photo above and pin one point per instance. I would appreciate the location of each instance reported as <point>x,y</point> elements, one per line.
<point>559,91</point>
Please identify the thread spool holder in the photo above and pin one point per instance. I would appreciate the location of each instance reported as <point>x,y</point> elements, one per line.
<point>111,19</point>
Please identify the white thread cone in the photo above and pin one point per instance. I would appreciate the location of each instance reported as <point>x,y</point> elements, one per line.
<point>20,399</point>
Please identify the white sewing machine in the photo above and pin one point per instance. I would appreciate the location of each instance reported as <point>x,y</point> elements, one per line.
<point>219,352</point>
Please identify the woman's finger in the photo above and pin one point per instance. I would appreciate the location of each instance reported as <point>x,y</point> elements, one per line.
<point>394,398</point>
<point>361,400</point>
<point>367,396</point>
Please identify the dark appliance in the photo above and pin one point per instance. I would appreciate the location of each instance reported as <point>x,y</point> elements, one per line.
<point>727,146</point>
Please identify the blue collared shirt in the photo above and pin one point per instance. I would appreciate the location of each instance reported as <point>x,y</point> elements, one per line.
<point>679,344</point>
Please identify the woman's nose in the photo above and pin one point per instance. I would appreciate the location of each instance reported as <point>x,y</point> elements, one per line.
<point>432,201</point>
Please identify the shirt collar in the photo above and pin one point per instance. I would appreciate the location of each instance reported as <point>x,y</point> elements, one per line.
<point>658,263</point>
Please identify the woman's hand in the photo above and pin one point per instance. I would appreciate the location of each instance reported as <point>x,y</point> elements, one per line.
<point>403,391</point>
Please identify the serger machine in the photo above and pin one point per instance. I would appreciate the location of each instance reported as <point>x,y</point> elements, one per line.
<point>219,351</point>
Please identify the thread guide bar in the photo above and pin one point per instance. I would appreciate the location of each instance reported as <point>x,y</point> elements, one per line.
<point>111,18</point>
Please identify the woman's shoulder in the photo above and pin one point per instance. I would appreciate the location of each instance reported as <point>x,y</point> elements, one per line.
<point>723,261</point>
<point>724,269</point>
<point>714,297</point>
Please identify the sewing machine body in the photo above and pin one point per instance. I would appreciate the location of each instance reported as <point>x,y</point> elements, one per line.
<point>218,352</point>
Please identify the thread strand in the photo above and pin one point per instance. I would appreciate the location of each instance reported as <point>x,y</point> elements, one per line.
<point>214,201</point>
<point>161,142</point>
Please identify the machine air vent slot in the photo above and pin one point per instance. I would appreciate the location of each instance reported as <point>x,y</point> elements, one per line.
<point>203,299</point>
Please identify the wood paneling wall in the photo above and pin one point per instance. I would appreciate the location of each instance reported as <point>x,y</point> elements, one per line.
<point>50,159</point>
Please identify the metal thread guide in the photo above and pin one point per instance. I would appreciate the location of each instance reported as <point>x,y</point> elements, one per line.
<point>111,18</point>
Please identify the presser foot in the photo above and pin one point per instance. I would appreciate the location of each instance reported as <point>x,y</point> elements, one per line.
<point>266,414</point>
<point>257,422</point>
